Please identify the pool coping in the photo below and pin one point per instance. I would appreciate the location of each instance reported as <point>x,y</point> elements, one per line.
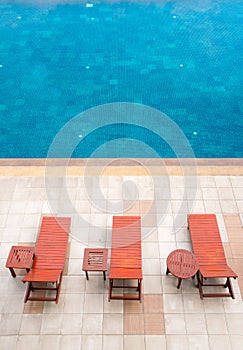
<point>120,161</point>
<point>121,167</point>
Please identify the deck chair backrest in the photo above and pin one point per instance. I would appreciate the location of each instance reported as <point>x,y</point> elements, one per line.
<point>52,243</point>
<point>206,239</point>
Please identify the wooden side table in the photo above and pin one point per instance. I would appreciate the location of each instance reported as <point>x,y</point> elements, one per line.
<point>182,264</point>
<point>95,259</point>
<point>20,257</point>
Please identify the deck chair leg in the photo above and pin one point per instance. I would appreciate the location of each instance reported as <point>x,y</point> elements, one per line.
<point>200,290</point>
<point>227,283</point>
<point>138,288</point>
<point>229,286</point>
<point>27,294</point>
<point>140,291</point>
<point>110,289</point>
<point>59,288</point>
<point>199,284</point>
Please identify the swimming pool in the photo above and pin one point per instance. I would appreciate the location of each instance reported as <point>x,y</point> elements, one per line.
<point>61,58</point>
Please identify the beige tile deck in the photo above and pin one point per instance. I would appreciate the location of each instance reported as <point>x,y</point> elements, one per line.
<point>154,324</point>
<point>168,318</point>
<point>34,307</point>
<point>133,324</point>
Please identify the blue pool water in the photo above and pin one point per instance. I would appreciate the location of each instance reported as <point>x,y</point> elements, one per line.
<point>184,58</point>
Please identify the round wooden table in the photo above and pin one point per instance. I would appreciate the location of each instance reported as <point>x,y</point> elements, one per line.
<point>182,264</point>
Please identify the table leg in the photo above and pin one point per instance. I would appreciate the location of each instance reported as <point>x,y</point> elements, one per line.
<point>140,291</point>
<point>179,282</point>
<point>167,271</point>
<point>12,272</point>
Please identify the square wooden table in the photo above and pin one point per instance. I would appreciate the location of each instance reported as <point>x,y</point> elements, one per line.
<point>95,259</point>
<point>20,257</point>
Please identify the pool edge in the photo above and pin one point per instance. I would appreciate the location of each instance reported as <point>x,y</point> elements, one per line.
<point>121,166</point>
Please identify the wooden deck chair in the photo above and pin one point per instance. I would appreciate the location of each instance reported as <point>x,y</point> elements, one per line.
<point>208,248</point>
<point>49,260</point>
<point>126,256</point>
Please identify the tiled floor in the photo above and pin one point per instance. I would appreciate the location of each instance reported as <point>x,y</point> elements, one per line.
<point>168,318</point>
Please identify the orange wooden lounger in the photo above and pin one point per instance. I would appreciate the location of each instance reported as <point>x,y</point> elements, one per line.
<point>126,256</point>
<point>49,257</point>
<point>208,248</point>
